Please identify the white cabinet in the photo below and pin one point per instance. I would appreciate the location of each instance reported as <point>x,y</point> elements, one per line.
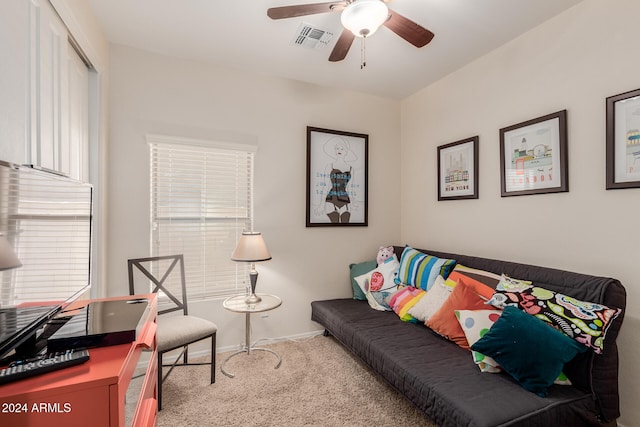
<point>48,84</point>
<point>58,96</point>
<point>45,91</point>
<point>74,160</point>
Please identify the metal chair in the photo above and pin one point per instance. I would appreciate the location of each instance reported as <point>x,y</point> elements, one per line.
<point>173,332</point>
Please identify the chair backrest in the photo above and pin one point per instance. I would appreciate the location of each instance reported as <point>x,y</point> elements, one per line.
<point>163,266</point>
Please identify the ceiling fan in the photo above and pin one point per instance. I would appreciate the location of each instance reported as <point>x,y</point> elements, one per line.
<point>360,18</point>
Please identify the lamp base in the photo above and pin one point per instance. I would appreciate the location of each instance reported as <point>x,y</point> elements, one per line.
<point>252,299</point>
<point>253,276</point>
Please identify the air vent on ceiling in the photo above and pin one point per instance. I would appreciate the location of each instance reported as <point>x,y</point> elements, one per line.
<point>311,37</point>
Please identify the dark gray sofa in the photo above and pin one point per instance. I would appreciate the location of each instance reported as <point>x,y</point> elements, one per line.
<point>440,378</point>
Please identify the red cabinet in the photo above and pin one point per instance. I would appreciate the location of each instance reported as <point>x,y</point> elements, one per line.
<point>100,392</point>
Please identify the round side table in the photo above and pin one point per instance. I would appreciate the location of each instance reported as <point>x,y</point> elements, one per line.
<point>238,304</point>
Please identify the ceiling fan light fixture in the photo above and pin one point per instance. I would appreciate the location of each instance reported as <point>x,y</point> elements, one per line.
<point>364,17</point>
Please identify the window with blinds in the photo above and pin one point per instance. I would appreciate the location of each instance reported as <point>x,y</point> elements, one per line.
<point>201,202</point>
<point>47,220</point>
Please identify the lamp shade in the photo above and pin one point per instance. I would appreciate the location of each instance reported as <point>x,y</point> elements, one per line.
<point>8,258</point>
<point>364,17</point>
<point>251,248</point>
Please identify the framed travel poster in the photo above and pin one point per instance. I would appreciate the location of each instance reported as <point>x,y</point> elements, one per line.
<point>337,178</point>
<point>533,156</point>
<point>623,140</point>
<point>458,170</point>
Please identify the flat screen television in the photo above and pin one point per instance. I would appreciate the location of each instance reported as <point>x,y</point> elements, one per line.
<point>47,220</point>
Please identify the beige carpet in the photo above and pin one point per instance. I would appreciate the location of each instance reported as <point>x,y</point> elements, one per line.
<point>318,384</point>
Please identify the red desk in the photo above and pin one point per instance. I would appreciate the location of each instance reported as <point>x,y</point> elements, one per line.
<point>90,394</point>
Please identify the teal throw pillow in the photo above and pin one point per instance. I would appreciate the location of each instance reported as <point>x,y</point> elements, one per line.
<point>528,349</point>
<point>356,270</point>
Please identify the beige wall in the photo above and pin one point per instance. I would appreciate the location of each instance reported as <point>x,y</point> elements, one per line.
<point>156,94</point>
<point>572,62</point>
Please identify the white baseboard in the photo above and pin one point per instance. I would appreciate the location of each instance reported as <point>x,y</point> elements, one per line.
<point>170,358</point>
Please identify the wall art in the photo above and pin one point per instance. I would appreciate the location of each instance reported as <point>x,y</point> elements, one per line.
<point>337,178</point>
<point>533,156</point>
<point>623,140</point>
<point>458,170</point>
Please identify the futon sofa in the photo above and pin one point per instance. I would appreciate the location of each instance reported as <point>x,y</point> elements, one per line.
<point>440,378</point>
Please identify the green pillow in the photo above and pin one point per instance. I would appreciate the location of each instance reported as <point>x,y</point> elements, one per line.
<point>359,269</point>
<point>528,349</point>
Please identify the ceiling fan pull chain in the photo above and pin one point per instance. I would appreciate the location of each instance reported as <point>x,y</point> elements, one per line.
<point>363,60</point>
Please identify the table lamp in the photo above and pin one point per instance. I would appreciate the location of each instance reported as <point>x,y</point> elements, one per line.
<point>251,248</point>
<point>8,258</point>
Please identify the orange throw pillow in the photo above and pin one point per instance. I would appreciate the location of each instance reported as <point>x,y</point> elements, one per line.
<point>445,322</point>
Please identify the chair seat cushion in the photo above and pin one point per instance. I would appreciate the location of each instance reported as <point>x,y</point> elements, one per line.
<point>177,331</point>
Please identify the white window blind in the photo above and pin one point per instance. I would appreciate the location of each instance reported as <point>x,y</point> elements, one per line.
<point>201,202</point>
<point>47,219</point>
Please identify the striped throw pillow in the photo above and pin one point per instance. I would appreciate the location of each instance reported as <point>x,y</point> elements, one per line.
<point>483,282</point>
<point>403,300</point>
<point>421,270</point>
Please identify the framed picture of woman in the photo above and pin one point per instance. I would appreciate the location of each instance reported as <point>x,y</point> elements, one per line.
<point>337,178</point>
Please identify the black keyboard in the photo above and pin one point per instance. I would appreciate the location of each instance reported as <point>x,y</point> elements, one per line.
<point>50,362</point>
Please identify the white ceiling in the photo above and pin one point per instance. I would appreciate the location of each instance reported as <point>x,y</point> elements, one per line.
<point>238,33</point>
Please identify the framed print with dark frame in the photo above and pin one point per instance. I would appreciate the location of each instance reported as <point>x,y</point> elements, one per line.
<point>534,157</point>
<point>458,170</point>
<point>337,178</point>
<point>623,140</point>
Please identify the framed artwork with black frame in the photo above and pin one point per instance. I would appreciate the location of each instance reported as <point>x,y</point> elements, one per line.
<point>337,178</point>
<point>458,170</point>
<point>623,140</point>
<point>534,157</point>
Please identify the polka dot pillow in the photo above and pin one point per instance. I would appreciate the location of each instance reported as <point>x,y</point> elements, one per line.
<point>476,323</point>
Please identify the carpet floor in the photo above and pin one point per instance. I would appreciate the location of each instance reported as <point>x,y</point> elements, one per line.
<point>318,384</point>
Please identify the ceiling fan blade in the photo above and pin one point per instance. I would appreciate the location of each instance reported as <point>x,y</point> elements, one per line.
<point>342,46</point>
<point>408,30</point>
<point>304,9</point>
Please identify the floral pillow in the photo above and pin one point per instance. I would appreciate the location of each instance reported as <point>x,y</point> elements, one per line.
<point>585,322</point>
<point>379,284</point>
